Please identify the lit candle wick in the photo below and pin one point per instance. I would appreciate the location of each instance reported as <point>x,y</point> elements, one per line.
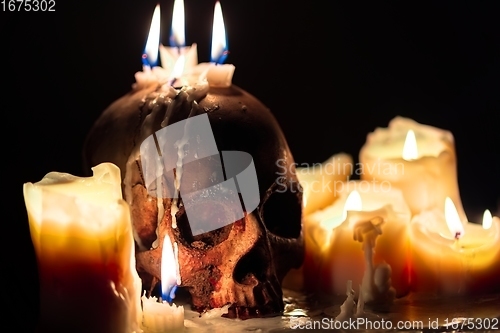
<point>150,54</point>
<point>168,294</point>
<point>145,62</point>
<point>177,35</point>
<point>219,42</point>
<point>178,70</point>
<point>220,60</point>
<point>170,278</point>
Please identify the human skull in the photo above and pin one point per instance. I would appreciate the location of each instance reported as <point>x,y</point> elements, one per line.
<point>241,264</point>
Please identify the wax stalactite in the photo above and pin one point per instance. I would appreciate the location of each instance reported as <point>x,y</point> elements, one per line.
<point>81,232</point>
<point>376,285</point>
<point>337,257</point>
<point>450,257</point>
<point>418,159</point>
<point>351,309</point>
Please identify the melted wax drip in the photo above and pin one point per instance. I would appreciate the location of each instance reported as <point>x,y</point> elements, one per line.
<point>174,98</point>
<point>145,130</point>
<point>190,95</point>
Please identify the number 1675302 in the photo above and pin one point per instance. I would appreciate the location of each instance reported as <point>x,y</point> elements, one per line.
<point>28,5</point>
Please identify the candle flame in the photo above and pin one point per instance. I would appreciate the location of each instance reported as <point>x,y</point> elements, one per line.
<point>178,67</point>
<point>177,35</point>
<point>453,219</point>
<point>219,43</point>
<point>352,203</point>
<point>487,219</point>
<point>410,151</point>
<point>150,56</point>
<point>169,270</point>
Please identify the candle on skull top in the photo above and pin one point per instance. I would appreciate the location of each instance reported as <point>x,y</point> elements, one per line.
<point>221,74</point>
<point>219,41</point>
<point>169,55</point>
<point>215,72</point>
<point>418,159</point>
<point>150,55</point>
<point>151,74</point>
<point>162,315</point>
<point>452,257</point>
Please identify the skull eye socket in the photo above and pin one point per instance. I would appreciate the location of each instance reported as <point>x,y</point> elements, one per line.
<point>282,210</point>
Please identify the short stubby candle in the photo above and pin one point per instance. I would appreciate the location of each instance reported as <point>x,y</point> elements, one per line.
<point>418,159</point>
<point>450,257</point>
<point>333,256</point>
<point>159,316</point>
<point>82,235</point>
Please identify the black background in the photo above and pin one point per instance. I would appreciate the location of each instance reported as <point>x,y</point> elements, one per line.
<point>329,72</point>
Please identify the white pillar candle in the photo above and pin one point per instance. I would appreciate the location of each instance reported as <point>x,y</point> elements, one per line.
<point>425,176</point>
<point>82,235</point>
<point>452,257</point>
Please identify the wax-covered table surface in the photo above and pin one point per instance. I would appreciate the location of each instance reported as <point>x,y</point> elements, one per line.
<point>330,73</point>
<point>414,313</point>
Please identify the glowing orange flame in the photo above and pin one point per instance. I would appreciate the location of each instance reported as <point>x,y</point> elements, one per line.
<point>453,219</point>
<point>410,151</point>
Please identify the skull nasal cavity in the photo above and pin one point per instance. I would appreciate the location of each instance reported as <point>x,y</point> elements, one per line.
<point>282,212</point>
<point>252,267</point>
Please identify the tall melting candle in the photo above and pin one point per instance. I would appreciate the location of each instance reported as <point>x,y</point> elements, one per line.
<point>81,232</point>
